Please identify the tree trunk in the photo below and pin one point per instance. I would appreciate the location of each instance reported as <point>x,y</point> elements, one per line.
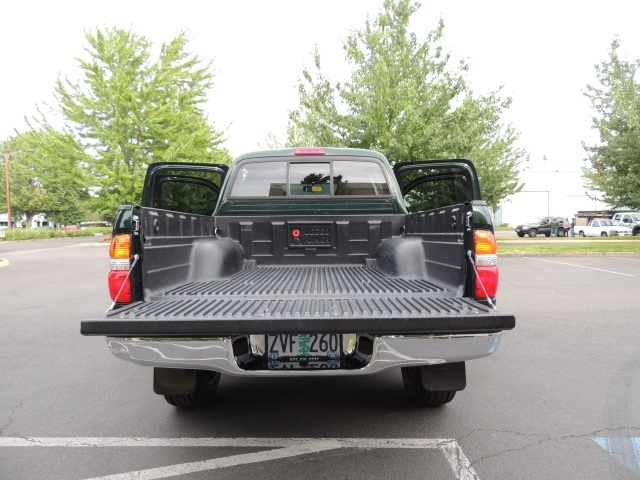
<point>29,215</point>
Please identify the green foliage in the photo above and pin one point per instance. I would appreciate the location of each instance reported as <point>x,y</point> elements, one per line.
<point>46,176</point>
<point>43,233</point>
<point>403,100</point>
<point>89,232</point>
<point>615,162</point>
<point>569,246</point>
<point>32,234</point>
<point>130,110</point>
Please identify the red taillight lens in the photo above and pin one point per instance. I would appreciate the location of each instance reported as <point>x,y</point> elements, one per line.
<point>118,280</point>
<point>309,151</point>
<point>489,277</point>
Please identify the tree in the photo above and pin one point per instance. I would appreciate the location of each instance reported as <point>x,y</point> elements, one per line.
<point>129,111</point>
<point>403,99</point>
<point>46,176</point>
<point>615,162</point>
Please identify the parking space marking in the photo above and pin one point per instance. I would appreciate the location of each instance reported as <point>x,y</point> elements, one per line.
<point>281,448</point>
<point>579,266</point>
<point>626,450</point>
<point>626,258</point>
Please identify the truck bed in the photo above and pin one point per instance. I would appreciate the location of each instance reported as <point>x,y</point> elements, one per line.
<point>302,299</point>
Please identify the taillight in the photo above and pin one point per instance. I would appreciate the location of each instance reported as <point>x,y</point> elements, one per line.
<point>309,151</point>
<point>120,267</point>
<point>485,249</point>
<point>120,286</point>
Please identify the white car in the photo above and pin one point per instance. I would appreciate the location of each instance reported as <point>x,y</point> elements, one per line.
<point>601,227</point>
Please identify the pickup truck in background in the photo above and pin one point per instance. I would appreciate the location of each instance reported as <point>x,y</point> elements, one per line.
<point>541,226</point>
<point>628,219</point>
<point>601,227</point>
<point>305,262</point>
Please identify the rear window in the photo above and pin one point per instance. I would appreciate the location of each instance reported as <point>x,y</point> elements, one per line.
<point>310,179</point>
<point>267,179</point>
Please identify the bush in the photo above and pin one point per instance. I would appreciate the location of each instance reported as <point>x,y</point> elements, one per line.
<point>41,233</point>
<point>89,231</point>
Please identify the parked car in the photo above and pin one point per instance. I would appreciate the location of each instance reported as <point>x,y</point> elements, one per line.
<point>628,219</point>
<point>601,227</point>
<point>540,226</point>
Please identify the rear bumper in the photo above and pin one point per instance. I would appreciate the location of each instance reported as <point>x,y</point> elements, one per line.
<point>388,352</point>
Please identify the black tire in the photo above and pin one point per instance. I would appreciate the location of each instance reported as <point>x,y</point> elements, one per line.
<point>520,234</point>
<point>581,234</point>
<point>420,396</point>
<point>206,387</point>
<point>635,232</point>
<point>533,232</point>
<point>547,234</point>
<point>561,233</point>
<point>604,234</point>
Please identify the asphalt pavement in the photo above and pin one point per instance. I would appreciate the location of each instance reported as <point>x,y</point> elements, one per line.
<point>558,399</point>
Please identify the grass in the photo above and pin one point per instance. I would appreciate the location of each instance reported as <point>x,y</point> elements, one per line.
<point>569,246</point>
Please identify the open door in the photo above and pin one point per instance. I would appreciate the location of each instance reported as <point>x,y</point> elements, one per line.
<point>183,187</point>
<point>431,184</point>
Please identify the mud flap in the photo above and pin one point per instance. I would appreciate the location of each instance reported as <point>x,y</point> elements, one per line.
<point>174,381</point>
<point>444,377</point>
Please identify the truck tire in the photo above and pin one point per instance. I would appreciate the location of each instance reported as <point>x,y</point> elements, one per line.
<point>418,395</point>
<point>206,386</point>
<point>533,232</point>
<point>636,231</point>
<point>581,234</point>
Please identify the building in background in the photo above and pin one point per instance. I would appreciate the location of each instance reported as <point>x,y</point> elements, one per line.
<point>39,221</point>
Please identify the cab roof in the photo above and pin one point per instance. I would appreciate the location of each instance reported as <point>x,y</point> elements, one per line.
<point>306,152</point>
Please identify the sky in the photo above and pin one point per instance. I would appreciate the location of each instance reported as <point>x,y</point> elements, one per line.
<point>542,53</point>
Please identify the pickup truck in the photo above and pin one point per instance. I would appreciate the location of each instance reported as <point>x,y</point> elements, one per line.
<point>628,219</point>
<point>541,226</point>
<point>601,227</point>
<point>305,262</point>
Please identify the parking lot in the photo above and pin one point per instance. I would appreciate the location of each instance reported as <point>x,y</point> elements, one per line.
<point>559,399</point>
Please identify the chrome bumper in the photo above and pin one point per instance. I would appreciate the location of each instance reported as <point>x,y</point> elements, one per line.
<point>388,352</point>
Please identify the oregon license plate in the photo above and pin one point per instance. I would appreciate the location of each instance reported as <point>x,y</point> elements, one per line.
<point>304,351</point>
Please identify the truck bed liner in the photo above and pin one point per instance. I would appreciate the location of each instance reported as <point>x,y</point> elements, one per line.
<point>302,299</point>
<point>299,281</point>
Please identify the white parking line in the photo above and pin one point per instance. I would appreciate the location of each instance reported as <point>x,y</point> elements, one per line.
<point>625,258</point>
<point>579,266</point>
<point>283,448</point>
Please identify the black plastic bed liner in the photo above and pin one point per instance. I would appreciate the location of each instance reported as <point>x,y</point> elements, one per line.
<point>302,299</point>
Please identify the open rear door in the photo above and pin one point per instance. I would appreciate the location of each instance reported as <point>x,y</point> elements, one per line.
<point>431,184</point>
<point>183,187</point>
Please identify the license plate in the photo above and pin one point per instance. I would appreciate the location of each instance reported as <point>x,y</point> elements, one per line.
<point>304,351</point>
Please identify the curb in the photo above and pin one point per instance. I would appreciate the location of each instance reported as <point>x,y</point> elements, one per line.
<point>4,263</point>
